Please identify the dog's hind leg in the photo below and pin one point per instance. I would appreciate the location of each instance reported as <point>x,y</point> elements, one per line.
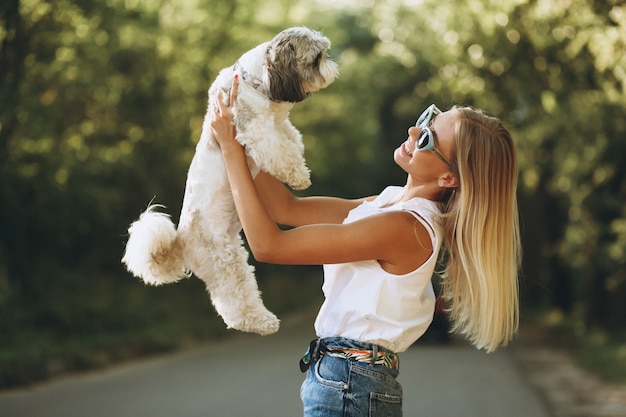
<point>233,288</point>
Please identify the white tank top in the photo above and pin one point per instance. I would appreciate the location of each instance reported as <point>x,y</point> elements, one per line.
<point>366,303</point>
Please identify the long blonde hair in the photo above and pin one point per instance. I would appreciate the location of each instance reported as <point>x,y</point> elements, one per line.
<point>481,233</point>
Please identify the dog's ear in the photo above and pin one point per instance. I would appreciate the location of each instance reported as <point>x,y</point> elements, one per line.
<point>281,75</point>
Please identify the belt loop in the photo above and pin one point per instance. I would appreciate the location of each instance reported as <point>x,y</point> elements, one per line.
<point>374,354</point>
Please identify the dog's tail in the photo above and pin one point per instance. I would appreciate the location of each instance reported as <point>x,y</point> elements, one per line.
<point>154,252</point>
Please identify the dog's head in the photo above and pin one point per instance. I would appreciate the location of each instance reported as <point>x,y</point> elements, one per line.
<point>297,64</point>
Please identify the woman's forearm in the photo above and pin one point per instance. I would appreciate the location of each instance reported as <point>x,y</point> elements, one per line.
<point>259,227</point>
<point>276,197</point>
<point>288,209</point>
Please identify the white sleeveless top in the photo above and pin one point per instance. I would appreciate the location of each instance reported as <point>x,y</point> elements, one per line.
<point>366,303</point>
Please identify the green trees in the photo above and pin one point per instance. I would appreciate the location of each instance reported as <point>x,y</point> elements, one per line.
<point>575,158</point>
<point>101,103</point>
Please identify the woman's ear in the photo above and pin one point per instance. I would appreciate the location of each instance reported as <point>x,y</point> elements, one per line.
<point>448,180</point>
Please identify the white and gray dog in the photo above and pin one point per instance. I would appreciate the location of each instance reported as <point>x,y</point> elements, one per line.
<point>207,243</point>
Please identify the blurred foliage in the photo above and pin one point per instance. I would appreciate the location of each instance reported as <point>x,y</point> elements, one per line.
<point>101,103</point>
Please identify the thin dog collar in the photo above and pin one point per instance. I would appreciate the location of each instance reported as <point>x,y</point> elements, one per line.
<point>248,78</point>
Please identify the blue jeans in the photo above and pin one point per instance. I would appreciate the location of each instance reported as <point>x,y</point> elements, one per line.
<point>338,387</point>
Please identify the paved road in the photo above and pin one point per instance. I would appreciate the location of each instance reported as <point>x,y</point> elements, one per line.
<point>254,376</point>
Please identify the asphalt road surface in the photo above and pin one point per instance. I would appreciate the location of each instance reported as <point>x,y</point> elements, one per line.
<point>254,376</point>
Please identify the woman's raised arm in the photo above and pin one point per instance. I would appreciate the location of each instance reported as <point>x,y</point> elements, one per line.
<point>288,209</point>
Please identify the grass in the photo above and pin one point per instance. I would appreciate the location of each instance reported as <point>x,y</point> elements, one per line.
<point>598,351</point>
<point>114,319</point>
<point>605,355</point>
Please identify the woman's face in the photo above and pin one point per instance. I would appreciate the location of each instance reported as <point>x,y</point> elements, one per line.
<point>424,165</point>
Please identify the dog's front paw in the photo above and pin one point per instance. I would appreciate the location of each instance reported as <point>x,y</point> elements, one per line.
<point>297,178</point>
<point>260,322</point>
<point>300,184</point>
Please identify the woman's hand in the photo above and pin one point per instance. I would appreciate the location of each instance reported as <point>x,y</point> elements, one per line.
<point>222,119</point>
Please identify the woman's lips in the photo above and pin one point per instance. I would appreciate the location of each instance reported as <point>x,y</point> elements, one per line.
<point>406,147</point>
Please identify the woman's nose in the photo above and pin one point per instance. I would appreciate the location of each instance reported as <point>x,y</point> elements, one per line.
<point>414,131</point>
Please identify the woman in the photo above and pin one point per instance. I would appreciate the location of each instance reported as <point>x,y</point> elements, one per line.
<point>379,253</point>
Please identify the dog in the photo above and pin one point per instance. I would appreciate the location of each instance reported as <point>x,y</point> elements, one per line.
<point>207,243</point>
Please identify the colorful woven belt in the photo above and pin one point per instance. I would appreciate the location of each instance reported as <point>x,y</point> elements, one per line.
<point>388,359</point>
<point>374,357</point>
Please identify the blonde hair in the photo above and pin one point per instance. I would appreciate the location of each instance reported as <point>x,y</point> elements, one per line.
<point>481,233</point>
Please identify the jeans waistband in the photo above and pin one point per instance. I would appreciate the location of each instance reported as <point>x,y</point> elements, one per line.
<point>349,349</point>
<point>345,343</point>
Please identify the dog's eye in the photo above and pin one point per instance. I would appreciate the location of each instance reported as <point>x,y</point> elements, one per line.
<point>318,59</point>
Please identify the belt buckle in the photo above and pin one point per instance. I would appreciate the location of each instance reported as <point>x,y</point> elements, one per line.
<point>309,355</point>
<point>315,350</point>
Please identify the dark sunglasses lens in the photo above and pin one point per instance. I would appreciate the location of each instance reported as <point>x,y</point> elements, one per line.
<point>423,140</point>
<point>425,117</point>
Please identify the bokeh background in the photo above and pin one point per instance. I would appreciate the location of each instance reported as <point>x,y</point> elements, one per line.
<point>102,102</point>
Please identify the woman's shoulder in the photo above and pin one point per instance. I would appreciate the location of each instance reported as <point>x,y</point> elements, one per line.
<point>422,204</point>
<point>423,209</point>
<point>390,194</point>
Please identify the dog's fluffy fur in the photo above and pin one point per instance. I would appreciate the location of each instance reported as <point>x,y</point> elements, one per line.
<point>207,243</point>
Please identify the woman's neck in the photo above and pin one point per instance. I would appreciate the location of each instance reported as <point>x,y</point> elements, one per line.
<point>429,191</point>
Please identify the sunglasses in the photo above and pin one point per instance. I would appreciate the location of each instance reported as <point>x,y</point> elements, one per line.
<point>426,139</point>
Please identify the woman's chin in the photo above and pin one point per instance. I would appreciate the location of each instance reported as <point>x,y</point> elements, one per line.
<point>399,156</point>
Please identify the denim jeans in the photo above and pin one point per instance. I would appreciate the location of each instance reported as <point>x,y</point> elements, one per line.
<point>338,387</point>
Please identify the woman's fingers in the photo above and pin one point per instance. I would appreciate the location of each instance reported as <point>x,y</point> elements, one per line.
<point>233,90</point>
<point>220,107</point>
